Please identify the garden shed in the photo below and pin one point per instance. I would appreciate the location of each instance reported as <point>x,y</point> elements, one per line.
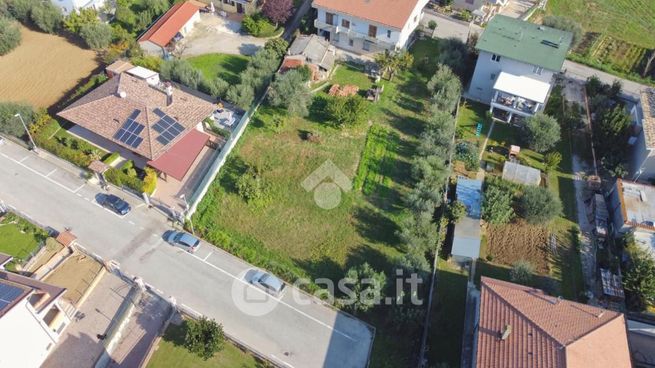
<point>521,174</point>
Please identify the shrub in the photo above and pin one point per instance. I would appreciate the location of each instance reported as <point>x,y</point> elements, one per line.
<point>278,45</point>
<point>639,280</point>
<point>148,62</point>
<point>76,20</point>
<point>456,211</point>
<point>349,110</point>
<point>552,160</point>
<point>521,272</point>
<point>181,71</point>
<point>290,91</point>
<point>367,286</point>
<point>258,26</point>
<point>468,153</point>
<point>119,178</point>
<point>539,205</point>
<point>446,88</point>
<point>149,181</point>
<point>542,132</point>
<point>497,202</point>
<point>241,95</point>
<point>47,16</point>
<point>9,123</point>
<point>20,9</point>
<point>203,337</point>
<point>96,35</point>
<point>252,187</point>
<point>216,87</point>
<point>111,158</point>
<point>10,36</point>
<point>432,24</point>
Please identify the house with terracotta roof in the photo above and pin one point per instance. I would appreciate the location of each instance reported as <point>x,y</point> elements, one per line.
<point>631,208</point>
<point>642,158</point>
<point>368,26</point>
<point>516,64</point>
<point>31,319</point>
<point>519,326</point>
<point>160,125</point>
<point>175,24</point>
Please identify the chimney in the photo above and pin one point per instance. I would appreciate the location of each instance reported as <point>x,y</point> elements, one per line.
<point>169,94</point>
<point>505,332</point>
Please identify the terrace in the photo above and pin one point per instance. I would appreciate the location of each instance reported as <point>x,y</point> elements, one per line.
<point>518,95</point>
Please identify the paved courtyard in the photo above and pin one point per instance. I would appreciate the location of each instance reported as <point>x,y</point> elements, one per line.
<point>215,34</point>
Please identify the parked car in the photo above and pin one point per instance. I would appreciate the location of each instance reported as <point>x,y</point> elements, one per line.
<point>183,239</point>
<point>268,282</point>
<point>115,204</point>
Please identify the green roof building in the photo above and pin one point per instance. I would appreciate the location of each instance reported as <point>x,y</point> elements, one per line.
<point>515,68</point>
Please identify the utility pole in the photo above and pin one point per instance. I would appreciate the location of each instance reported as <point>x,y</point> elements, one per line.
<point>18,115</point>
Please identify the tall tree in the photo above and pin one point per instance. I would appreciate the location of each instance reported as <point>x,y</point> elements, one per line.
<point>539,205</point>
<point>96,35</point>
<point>10,36</point>
<point>542,132</point>
<point>446,88</point>
<point>278,10</point>
<point>365,287</point>
<point>639,279</point>
<point>291,91</point>
<point>204,337</point>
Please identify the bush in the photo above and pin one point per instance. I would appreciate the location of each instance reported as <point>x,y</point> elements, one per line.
<point>10,36</point>
<point>639,280</point>
<point>445,88</point>
<point>181,71</point>
<point>349,110</point>
<point>497,201</point>
<point>456,211</point>
<point>20,9</point>
<point>252,187</point>
<point>96,35</point>
<point>539,205</point>
<point>203,337</point>
<point>241,95</point>
<point>76,20</point>
<point>216,87</point>
<point>542,132</point>
<point>367,286</point>
<point>9,123</point>
<point>432,24</point>
<point>149,181</point>
<point>111,158</point>
<point>119,178</point>
<point>278,45</point>
<point>521,272</point>
<point>290,91</point>
<point>258,26</point>
<point>468,152</point>
<point>47,16</point>
<point>552,160</point>
<point>148,62</point>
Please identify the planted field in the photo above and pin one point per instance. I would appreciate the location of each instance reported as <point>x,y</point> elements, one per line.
<point>605,49</point>
<point>227,67</point>
<point>628,20</point>
<point>43,69</point>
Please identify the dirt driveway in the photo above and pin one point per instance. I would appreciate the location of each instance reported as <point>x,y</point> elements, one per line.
<point>214,34</point>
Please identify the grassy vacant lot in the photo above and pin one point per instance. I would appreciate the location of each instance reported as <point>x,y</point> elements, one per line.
<point>43,68</point>
<point>628,20</point>
<point>225,66</point>
<point>290,231</point>
<point>19,238</point>
<point>172,353</point>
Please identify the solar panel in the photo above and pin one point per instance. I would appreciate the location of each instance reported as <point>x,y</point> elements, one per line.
<point>167,127</point>
<point>129,132</point>
<point>8,294</point>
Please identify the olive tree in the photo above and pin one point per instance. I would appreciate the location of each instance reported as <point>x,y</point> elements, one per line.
<point>542,132</point>
<point>10,36</point>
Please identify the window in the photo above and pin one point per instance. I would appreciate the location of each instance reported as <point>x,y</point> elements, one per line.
<point>537,69</point>
<point>351,42</point>
<point>493,76</point>
<point>495,58</point>
<point>372,31</point>
<point>329,18</point>
<point>345,23</point>
<point>388,33</point>
<point>366,46</point>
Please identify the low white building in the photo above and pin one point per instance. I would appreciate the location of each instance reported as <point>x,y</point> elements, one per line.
<point>642,165</point>
<point>150,76</point>
<point>515,67</point>
<point>632,208</point>
<point>31,320</point>
<point>68,6</point>
<point>174,25</point>
<point>368,26</point>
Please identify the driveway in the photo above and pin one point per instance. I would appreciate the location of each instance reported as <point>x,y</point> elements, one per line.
<point>215,34</point>
<point>294,332</point>
<point>448,27</point>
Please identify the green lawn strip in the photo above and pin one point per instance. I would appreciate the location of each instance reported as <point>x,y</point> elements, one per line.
<point>19,238</point>
<point>171,353</point>
<point>377,161</point>
<point>55,138</point>
<point>449,309</point>
<point>225,66</point>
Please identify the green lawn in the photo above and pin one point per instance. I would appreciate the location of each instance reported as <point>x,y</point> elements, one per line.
<point>225,66</point>
<point>628,20</point>
<point>172,353</point>
<point>19,238</point>
<point>449,309</point>
<point>293,236</point>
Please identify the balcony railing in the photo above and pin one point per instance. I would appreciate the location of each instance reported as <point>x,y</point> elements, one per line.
<point>516,103</point>
<point>349,32</point>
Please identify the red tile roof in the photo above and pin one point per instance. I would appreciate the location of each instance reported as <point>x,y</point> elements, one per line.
<point>546,331</point>
<point>177,161</point>
<point>163,31</point>
<point>393,13</point>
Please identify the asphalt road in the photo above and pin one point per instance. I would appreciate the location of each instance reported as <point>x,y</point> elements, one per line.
<point>298,331</point>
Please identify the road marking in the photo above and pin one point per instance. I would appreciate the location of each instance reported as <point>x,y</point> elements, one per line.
<point>81,186</point>
<point>24,158</point>
<point>78,194</point>
<point>210,253</point>
<point>155,235</point>
<point>51,172</point>
<point>131,222</point>
<point>279,300</point>
<point>281,361</point>
<point>43,176</point>
<point>140,205</point>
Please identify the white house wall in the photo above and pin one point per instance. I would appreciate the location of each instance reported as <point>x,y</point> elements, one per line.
<point>24,341</point>
<point>67,6</point>
<point>642,158</point>
<point>188,26</point>
<point>486,72</point>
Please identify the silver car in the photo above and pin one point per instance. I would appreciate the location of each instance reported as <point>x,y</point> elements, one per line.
<point>266,281</point>
<point>186,240</point>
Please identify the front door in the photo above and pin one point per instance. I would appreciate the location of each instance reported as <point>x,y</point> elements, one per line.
<point>239,8</point>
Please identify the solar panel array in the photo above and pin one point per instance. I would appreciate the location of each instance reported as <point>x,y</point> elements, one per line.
<point>167,127</point>
<point>129,132</point>
<point>8,295</point>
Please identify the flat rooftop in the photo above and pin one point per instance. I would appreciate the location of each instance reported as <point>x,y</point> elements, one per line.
<point>639,203</point>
